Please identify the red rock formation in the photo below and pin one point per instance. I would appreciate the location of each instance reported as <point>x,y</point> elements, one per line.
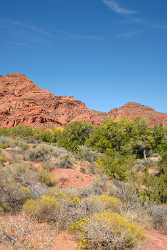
<point>22,102</point>
<point>134,110</point>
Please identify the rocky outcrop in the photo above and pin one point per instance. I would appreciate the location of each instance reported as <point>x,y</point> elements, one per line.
<point>134,110</point>
<point>24,103</point>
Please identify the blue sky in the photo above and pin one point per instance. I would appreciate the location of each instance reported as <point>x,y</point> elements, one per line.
<point>103,52</point>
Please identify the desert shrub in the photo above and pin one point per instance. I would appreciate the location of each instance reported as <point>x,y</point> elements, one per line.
<point>126,192</point>
<point>19,182</point>
<point>62,195</point>
<point>107,230</point>
<point>116,166</point>
<point>60,152</point>
<point>13,196</point>
<point>3,158</point>
<point>23,145</point>
<point>49,165</point>
<point>48,135</point>
<point>87,154</point>
<point>20,232</point>
<point>159,217</point>
<point>65,162</point>
<point>6,142</point>
<point>45,135</point>
<point>42,209</point>
<point>47,178</point>
<point>55,207</point>
<point>68,208</point>
<point>74,135</point>
<point>41,152</point>
<point>21,131</point>
<point>99,203</point>
<point>155,186</point>
<point>13,193</point>
<point>4,131</point>
<point>89,168</point>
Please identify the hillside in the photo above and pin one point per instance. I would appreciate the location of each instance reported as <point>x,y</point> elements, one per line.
<point>24,103</point>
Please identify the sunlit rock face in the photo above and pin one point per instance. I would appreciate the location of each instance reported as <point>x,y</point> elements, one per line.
<point>24,103</point>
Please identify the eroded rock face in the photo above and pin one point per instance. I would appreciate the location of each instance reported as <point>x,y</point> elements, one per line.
<point>24,103</point>
<point>134,110</point>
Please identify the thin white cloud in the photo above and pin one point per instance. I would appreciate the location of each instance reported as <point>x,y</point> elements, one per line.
<point>29,35</point>
<point>33,28</point>
<point>127,35</point>
<point>114,6</point>
<point>77,36</point>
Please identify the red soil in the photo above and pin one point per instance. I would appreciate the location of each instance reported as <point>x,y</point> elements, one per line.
<point>156,241</point>
<point>64,241</point>
<point>72,178</point>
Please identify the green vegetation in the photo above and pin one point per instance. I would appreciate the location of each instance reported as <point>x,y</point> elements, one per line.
<point>74,135</point>
<point>127,159</point>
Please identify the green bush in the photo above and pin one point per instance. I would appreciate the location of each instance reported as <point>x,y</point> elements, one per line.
<point>116,166</point>
<point>74,135</point>
<point>123,137</point>
<point>45,135</point>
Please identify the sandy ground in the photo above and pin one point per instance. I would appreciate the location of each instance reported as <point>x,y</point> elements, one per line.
<point>72,178</point>
<point>64,241</point>
<point>156,241</point>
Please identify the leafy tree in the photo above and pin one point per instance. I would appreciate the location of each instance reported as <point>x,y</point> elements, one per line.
<point>160,139</point>
<point>141,139</point>
<point>74,135</point>
<point>124,137</point>
<point>116,166</point>
<point>109,136</point>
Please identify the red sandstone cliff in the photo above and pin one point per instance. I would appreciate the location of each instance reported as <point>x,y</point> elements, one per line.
<point>24,103</point>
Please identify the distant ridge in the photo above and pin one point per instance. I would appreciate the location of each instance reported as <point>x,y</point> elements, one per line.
<point>23,103</point>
